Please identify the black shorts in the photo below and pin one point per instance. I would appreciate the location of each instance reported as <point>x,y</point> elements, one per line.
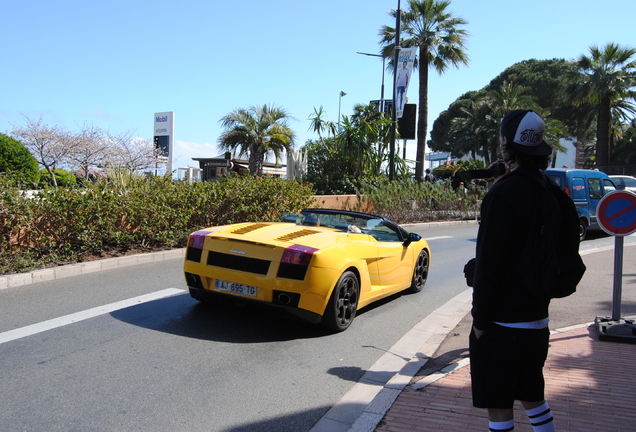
<point>506,364</point>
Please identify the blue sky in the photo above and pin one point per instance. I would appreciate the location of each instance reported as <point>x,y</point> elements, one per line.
<point>116,63</point>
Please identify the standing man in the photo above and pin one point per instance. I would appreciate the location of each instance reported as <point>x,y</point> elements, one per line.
<point>513,271</point>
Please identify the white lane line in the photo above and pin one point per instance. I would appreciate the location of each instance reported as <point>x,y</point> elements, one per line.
<point>83,315</point>
<point>602,249</point>
<point>437,238</point>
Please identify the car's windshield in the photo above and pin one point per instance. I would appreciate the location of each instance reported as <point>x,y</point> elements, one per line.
<point>345,222</point>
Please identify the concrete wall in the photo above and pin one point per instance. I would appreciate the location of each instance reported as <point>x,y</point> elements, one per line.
<point>340,202</point>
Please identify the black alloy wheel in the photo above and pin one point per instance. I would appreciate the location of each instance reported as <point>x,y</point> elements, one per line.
<point>420,272</point>
<point>343,303</point>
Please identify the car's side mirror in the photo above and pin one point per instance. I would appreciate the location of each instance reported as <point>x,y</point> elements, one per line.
<point>411,238</point>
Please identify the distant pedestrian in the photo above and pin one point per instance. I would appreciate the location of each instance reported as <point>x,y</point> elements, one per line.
<point>510,335</point>
<point>429,178</point>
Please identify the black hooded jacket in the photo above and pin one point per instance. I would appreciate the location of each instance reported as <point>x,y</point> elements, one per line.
<point>515,248</point>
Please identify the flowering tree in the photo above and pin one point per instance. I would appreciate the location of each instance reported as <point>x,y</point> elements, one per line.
<point>50,146</point>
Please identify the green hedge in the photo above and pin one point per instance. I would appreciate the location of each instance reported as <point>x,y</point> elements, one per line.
<point>70,224</point>
<point>406,201</point>
<point>62,225</point>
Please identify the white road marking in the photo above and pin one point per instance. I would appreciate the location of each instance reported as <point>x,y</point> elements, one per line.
<point>438,238</point>
<point>83,315</point>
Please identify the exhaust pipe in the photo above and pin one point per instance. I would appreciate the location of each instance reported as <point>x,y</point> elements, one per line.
<point>194,281</point>
<point>284,299</point>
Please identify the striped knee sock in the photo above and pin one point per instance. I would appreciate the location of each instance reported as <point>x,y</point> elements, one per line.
<point>541,419</point>
<point>505,426</point>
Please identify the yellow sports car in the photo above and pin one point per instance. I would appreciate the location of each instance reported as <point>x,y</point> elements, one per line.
<point>321,265</point>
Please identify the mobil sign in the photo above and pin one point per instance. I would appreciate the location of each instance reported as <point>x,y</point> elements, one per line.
<point>164,136</point>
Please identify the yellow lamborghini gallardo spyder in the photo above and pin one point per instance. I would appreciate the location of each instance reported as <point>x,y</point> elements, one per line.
<point>321,265</point>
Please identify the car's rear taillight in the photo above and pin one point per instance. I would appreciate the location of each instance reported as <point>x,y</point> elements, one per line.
<point>566,190</point>
<point>197,239</point>
<point>295,262</point>
<point>297,254</point>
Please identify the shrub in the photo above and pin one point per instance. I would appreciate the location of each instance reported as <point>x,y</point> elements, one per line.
<point>63,178</point>
<point>91,175</point>
<point>17,164</point>
<point>407,201</point>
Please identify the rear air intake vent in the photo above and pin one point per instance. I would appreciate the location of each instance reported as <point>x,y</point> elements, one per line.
<point>249,228</point>
<point>297,234</point>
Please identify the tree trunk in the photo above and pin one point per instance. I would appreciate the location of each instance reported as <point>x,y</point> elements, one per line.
<point>257,157</point>
<point>52,174</point>
<point>603,134</point>
<point>422,115</point>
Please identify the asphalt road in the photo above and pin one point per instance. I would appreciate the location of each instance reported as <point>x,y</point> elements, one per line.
<point>127,349</point>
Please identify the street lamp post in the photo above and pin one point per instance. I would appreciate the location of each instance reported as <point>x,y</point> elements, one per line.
<point>382,87</point>
<point>339,104</point>
<point>394,110</point>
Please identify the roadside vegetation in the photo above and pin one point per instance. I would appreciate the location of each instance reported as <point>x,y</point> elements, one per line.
<point>135,214</point>
<point>62,225</point>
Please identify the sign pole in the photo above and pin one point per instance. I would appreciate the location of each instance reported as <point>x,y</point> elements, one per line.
<point>617,216</point>
<point>618,277</point>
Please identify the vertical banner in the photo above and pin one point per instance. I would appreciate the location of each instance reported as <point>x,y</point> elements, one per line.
<point>403,77</point>
<point>164,137</point>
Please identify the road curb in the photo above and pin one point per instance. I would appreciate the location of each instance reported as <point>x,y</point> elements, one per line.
<point>60,272</point>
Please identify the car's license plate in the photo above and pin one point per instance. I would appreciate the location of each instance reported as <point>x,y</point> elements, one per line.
<point>236,288</point>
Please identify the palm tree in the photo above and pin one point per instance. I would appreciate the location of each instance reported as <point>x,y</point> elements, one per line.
<point>440,38</point>
<point>509,97</point>
<point>473,131</point>
<point>626,145</point>
<point>320,125</point>
<point>606,80</point>
<point>258,131</point>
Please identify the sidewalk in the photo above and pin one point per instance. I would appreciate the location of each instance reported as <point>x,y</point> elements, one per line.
<point>590,384</point>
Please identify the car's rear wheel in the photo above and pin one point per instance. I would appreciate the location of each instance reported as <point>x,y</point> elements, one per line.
<point>343,303</point>
<point>420,272</point>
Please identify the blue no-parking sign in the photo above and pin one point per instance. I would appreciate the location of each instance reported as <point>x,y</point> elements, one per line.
<point>617,213</point>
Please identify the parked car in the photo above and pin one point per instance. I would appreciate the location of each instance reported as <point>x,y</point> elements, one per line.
<point>624,182</point>
<point>586,188</point>
<point>321,265</point>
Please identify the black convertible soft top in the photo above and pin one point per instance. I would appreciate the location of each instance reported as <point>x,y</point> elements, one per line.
<point>343,212</point>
